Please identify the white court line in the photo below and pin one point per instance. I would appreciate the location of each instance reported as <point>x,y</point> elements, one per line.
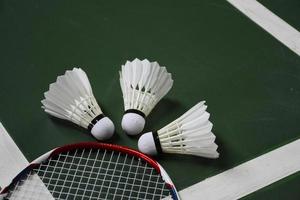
<point>249,176</point>
<point>12,160</point>
<point>273,166</point>
<point>281,30</point>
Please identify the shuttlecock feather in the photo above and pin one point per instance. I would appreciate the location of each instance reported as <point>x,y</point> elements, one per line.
<point>189,134</point>
<point>143,84</point>
<point>71,98</point>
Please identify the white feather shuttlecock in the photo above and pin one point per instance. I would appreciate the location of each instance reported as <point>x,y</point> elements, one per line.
<point>143,84</point>
<point>189,134</point>
<point>71,98</point>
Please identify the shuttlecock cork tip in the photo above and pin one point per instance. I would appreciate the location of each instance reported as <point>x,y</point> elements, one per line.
<point>146,144</point>
<point>133,123</point>
<point>103,129</point>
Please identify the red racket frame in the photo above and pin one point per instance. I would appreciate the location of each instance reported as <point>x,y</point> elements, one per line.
<point>95,145</point>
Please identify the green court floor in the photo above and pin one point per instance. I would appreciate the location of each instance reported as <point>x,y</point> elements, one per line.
<point>250,81</point>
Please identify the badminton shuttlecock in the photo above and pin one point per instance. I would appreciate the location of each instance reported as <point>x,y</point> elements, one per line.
<point>143,84</point>
<point>189,134</point>
<point>71,98</point>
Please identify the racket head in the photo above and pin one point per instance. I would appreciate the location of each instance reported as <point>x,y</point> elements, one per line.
<point>92,170</point>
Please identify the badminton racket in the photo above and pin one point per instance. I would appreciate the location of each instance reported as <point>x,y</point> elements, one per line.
<point>92,171</point>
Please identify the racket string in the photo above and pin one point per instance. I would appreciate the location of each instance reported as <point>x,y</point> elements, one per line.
<point>97,174</point>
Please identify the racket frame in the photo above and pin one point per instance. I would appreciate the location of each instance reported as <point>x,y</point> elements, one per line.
<point>95,145</point>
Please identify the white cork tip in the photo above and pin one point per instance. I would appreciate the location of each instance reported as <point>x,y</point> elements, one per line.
<point>103,129</point>
<point>133,123</point>
<point>146,144</point>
